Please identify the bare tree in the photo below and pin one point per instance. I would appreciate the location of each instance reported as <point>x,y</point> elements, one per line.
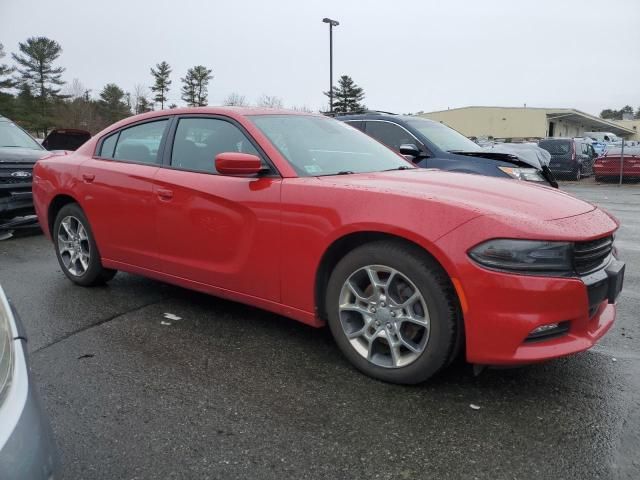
<point>75,89</point>
<point>235,100</point>
<point>140,99</point>
<point>269,101</point>
<point>302,108</point>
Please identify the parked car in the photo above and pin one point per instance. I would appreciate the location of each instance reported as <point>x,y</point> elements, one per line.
<point>18,153</point>
<point>571,158</point>
<point>608,166</point>
<point>603,137</point>
<point>65,139</point>
<point>307,217</point>
<point>434,145</point>
<point>27,448</point>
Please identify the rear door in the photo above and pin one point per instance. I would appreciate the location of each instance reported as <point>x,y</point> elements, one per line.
<point>217,230</point>
<point>117,193</point>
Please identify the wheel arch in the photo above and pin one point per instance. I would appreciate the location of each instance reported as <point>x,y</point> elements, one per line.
<point>348,242</point>
<point>59,201</point>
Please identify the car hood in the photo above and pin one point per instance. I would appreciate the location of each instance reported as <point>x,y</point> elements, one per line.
<point>20,155</point>
<point>477,193</point>
<point>522,157</point>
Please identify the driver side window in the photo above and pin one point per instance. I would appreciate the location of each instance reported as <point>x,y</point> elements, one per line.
<point>198,140</point>
<point>391,135</point>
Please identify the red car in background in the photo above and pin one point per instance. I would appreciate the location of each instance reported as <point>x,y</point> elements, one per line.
<point>607,167</point>
<point>308,217</point>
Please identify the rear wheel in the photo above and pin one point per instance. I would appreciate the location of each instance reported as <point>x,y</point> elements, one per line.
<point>578,174</point>
<point>76,248</point>
<point>393,312</point>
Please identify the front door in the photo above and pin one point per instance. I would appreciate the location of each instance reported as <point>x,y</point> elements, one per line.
<point>217,230</point>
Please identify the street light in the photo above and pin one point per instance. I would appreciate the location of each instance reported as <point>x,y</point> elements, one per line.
<point>332,23</point>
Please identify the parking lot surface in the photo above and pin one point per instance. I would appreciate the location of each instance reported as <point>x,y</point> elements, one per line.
<point>229,391</point>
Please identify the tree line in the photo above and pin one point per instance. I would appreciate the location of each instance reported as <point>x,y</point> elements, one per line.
<point>34,94</point>
<point>612,114</point>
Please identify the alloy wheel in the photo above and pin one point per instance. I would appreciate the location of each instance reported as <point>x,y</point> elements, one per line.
<point>73,245</point>
<point>384,316</point>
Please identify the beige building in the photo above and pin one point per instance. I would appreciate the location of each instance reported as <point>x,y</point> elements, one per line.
<point>633,125</point>
<point>524,122</point>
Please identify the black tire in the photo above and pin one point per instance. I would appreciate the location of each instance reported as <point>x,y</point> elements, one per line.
<point>95,273</point>
<point>445,336</point>
<point>578,174</point>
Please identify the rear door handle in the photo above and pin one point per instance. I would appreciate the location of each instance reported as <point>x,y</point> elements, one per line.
<point>164,193</point>
<point>88,177</point>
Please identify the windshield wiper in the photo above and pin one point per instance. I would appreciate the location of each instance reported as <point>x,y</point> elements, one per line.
<point>401,167</point>
<point>345,172</point>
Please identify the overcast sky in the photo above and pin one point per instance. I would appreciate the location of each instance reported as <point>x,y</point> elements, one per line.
<point>407,55</point>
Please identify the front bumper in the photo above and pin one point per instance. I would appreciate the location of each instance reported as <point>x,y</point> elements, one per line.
<point>27,449</point>
<point>16,203</point>
<point>515,305</point>
<point>501,309</point>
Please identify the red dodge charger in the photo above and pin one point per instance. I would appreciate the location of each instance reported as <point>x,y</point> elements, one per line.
<point>310,218</point>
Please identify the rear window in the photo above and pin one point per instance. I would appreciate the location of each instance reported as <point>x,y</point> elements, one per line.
<point>556,147</point>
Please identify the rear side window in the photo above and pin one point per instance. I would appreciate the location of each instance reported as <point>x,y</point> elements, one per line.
<point>140,143</point>
<point>108,146</point>
<point>391,135</point>
<point>556,147</point>
<point>199,140</point>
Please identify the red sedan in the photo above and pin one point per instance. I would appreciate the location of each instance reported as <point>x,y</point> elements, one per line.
<point>607,167</point>
<point>310,218</point>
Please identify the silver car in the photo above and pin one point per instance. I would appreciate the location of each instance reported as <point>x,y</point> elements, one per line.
<point>27,449</point>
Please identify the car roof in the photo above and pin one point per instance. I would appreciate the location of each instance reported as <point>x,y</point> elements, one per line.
<point>232,111</point>
<point>381,116</point>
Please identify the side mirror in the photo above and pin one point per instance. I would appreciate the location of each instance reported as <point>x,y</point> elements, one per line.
<point>410,149</point>
<point>234,163</point>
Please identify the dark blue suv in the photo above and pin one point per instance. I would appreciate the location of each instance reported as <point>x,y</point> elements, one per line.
<point>432,144</point>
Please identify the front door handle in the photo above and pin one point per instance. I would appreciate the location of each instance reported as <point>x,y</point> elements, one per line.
<point>88,177</point>
<point>164,193</point>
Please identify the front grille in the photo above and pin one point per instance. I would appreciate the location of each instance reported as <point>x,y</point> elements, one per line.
<point>6,177</point>
<point>591,255</point>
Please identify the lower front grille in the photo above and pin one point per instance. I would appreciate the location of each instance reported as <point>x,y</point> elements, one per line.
<point>591,255</point>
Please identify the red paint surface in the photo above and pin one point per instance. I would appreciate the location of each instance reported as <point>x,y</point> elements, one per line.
<point>262,240</point>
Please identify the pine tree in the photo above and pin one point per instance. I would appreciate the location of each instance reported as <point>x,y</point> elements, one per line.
<point>36,70</point>
<point>347,96</point>
<point>113,106</point>
<point>5,71</point>
<point>161,86</point>
<point>195,85</point>
<point>25,107</point>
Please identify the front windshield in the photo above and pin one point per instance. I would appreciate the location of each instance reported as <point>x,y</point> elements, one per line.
<point>443,137</point>
<point>13,136</point>
<point>317,146</point>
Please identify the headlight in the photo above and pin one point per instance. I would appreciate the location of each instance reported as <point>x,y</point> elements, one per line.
<point>528,174</point>
<point>6,347</point>
<point>525,256</point>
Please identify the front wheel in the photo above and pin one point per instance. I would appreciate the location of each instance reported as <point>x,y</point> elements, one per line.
<point>393,312</point>
<point>76,248</point>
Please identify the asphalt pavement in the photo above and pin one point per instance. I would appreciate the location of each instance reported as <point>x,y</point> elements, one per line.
<point>232,392</point>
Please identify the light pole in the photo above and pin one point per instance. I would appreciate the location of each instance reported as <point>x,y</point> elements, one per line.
<point>332,23</point>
